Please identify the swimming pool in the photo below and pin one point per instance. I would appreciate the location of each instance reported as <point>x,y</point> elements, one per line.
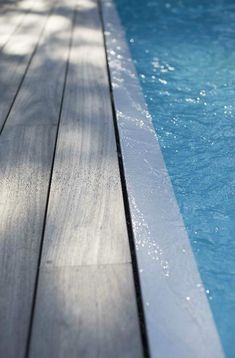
<point>184,53</point>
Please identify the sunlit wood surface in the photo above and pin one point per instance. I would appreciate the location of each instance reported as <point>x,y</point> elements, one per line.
<point>66,282</point>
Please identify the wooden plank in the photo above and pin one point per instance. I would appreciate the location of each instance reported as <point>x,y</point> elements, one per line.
<point>11,18</point>
<point>86,312</point>
<point>26,151</point>
<point>86,221</point>
<point>6,5</point>
<point>25,158</point>
<point>41,90</point>
<point>85,308</point>
<point>15,56</point>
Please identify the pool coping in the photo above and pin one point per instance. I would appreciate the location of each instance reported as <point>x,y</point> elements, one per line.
<point>179,322</point>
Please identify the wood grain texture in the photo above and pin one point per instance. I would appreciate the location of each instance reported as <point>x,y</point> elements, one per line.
<point>86,312</point>
<point>26,151</point>
<point>42,87</point>
<point>11,18</point>
<point>25,159</point>
<point>15,56</point>
<point>86,221</point>
<point>85,303</point>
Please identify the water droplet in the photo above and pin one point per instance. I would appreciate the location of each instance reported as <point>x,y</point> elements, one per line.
<point>164,82</point>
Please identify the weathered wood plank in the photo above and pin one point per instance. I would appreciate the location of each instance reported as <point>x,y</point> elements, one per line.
<point>42,87</point>
<point>26,151</point>
<point>6,5</point>
<point>86,312</point>
<point>11,18</point>
<point>25,158</point>
<point>83,308</point>
<point>16,54</point>
<point>86,221</point>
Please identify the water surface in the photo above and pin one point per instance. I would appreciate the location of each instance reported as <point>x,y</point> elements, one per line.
<point>184,52</point>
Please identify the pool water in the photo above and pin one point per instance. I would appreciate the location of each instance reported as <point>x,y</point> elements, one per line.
<point>184,52</point>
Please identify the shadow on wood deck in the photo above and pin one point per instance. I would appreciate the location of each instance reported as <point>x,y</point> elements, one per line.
<point>66,277</point>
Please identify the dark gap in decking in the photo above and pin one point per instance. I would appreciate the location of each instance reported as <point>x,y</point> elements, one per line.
<point>48,192</point>
<point>139,296</point>
<point>26,68</point>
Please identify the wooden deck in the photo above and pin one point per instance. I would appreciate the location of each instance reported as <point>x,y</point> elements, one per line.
<point>66,283</point>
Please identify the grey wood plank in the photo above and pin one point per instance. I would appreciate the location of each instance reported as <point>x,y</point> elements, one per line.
<point>25,158</point>
<point>86,221</point>
<point>11,19</point>
<point>6,5</point>
<point>43,84</point>
<point>86,312</point>
<point>26,152</point>
<point>15,56</point>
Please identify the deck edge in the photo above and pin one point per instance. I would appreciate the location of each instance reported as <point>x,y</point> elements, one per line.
<point>179,323</point>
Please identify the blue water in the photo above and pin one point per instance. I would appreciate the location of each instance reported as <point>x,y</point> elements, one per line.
<point>184,52</point>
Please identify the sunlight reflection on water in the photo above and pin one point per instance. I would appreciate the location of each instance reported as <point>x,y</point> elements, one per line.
<point>184,52</point>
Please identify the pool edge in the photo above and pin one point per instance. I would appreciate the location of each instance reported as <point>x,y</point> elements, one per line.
<point>179,322</point>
